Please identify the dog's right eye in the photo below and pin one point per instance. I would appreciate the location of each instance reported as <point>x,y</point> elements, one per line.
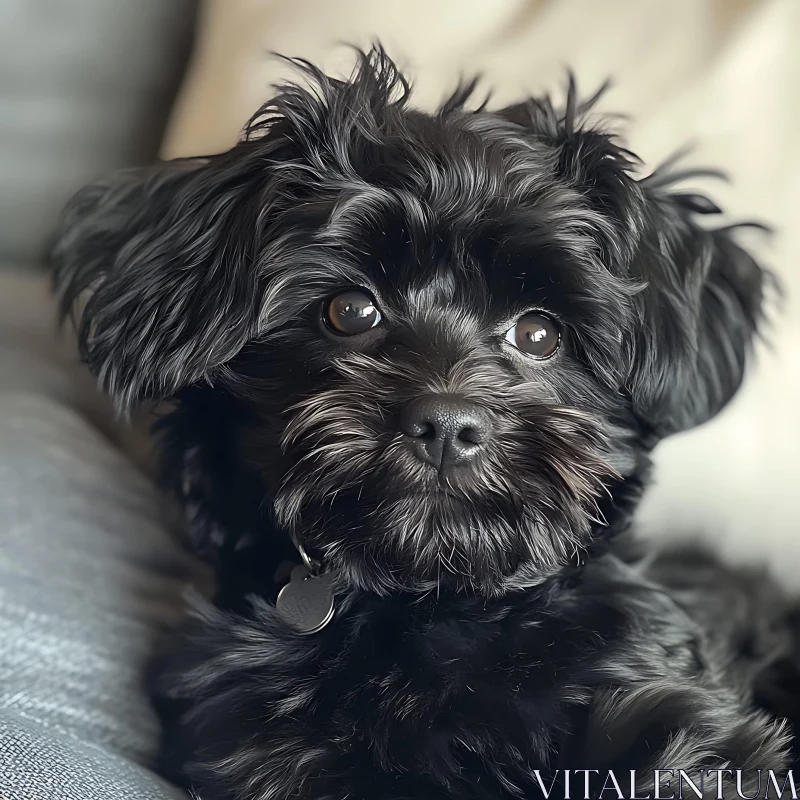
<point>351,313</point>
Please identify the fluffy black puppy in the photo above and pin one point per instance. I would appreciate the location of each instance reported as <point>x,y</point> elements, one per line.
<point>433,353</point>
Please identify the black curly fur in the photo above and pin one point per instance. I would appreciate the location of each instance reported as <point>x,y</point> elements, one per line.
<point>486,629</point>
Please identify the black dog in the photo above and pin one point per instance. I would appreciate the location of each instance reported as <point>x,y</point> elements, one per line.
<point>429,355</point>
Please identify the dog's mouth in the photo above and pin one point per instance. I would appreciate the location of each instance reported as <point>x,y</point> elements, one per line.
<point>387,518</point>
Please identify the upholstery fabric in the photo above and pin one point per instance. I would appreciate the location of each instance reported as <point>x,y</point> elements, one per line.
<point>89,575</point>
<point>86,88</point>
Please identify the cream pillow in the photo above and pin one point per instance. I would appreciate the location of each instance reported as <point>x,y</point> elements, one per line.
<point>724,73</point>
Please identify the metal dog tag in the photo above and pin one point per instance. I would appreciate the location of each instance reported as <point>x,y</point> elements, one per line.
<point>306,602</point>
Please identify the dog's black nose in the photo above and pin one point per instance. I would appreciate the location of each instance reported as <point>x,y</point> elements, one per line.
<point>445,430</point>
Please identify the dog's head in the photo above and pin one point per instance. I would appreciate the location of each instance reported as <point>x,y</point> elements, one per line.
<point>447,336</point>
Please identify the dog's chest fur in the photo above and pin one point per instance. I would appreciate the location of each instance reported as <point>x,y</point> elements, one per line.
<point>439,697</point>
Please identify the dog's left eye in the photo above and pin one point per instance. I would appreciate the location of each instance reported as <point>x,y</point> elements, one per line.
<point>351,313</point>
<point>536,335</point>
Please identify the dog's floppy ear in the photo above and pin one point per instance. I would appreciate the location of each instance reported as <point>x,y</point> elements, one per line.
<point>592,162</point>
<point>697,315</point>
<point>700,302</point>
<point>165,255</point>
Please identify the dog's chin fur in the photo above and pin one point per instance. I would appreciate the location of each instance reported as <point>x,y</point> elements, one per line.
<point>483,628</point>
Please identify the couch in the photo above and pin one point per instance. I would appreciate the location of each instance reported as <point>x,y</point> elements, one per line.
<point>90,570</point>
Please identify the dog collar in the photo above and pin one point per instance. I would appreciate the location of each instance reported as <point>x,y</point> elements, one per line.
<point>307,601</point>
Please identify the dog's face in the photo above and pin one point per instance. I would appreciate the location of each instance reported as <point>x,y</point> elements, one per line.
<point>439,400</point>
<point>448,336</point>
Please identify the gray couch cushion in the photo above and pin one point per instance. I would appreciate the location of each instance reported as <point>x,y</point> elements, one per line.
<point>89,577</point>
<point>86,88</point>
<point>38,763</point>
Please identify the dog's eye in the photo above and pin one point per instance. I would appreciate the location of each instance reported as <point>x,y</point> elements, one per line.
<point>536,335</point>
<point>351,313</point>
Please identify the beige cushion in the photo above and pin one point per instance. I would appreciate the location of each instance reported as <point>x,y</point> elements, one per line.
<point>723,73</point>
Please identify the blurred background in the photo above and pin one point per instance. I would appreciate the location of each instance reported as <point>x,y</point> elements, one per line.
<point>87,86</point>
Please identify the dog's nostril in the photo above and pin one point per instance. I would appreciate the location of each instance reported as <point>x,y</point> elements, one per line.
<point>469,436</point>
<point>427,431</point>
